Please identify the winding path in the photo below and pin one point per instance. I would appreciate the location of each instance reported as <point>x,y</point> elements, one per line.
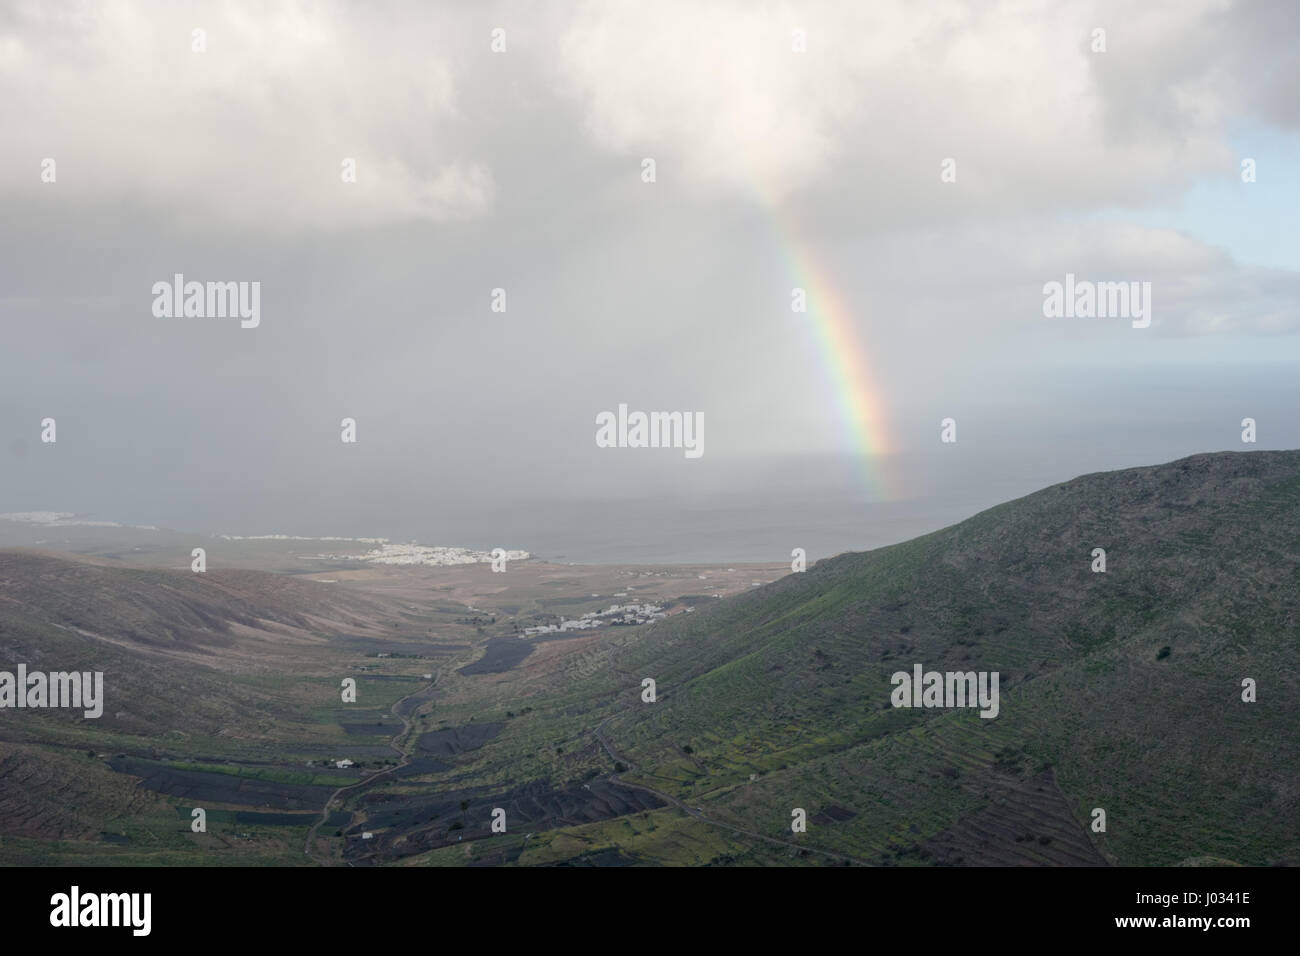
<point>396,744</point>
<point>397,741</point>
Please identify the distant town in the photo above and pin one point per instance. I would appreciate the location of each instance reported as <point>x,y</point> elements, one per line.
<point>614,614</point>
<point>420,554</point>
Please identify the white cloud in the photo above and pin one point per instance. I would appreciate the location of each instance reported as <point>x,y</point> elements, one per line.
<point>254,130</point>
<point>887,90</point>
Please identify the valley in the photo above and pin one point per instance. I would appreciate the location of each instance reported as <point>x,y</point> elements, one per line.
<point>1118,691</point>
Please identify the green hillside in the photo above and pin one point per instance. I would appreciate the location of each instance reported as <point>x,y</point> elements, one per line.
<point>791,683</point>
<point>1119,691</point>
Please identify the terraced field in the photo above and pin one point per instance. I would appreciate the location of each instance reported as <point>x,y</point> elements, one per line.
<point>223,692</point>
<point>1119,691</point>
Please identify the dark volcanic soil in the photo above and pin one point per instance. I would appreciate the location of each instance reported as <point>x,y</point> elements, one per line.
<point>455,740</point>
<point>502,654</point>
<point>226,788</point>
<point>405,824</point>
<point>418,766</point>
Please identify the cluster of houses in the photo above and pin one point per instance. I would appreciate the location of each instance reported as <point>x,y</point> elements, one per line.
<point>614,614</point>
<point>388,553</point>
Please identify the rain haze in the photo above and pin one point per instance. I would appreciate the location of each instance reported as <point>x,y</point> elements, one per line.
<point>823,228</point>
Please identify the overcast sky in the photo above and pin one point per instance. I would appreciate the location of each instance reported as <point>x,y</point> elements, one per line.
<point>522,169</point>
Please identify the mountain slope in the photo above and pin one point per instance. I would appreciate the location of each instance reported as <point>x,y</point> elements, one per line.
<point>180,652</point>
<point>217,689</point>
<point>1119,690</point>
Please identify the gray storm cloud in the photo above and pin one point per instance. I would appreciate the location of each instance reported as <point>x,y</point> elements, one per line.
<point>520,170</point>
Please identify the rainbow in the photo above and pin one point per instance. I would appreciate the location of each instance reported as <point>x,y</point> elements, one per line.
<point>845,359</point>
